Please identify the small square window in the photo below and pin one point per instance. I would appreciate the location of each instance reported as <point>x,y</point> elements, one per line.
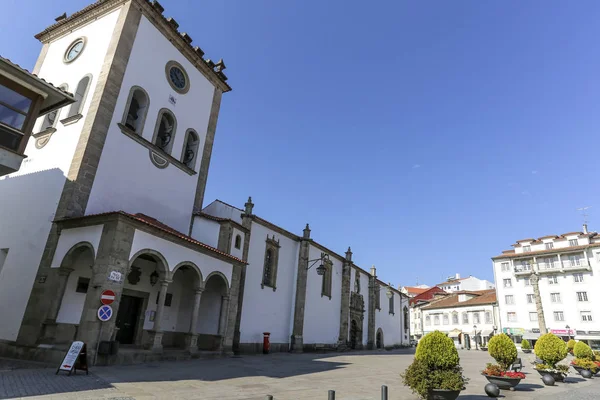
<point>573,242</point>
<point>82,285</point>
<point>549,246</point>
<point>526,249</point>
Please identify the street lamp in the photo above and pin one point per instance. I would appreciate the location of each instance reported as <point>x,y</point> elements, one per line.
<point>321,268</point>
<point>495,329</point>
<point>475,331</point>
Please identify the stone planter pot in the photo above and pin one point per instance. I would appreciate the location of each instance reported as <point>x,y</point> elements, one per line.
<point>526,351</point>
<point>503,382</point>
<point>443,394</point>
<point>558,377</point>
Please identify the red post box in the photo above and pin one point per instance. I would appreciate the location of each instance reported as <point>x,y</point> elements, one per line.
<point>266,342</point>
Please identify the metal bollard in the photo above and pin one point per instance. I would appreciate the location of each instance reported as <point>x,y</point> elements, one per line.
<point>331,395</point>
<point>384,392</point>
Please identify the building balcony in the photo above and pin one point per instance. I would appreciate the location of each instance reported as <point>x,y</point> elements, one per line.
<point>522,271</point>
<point>564,266</point>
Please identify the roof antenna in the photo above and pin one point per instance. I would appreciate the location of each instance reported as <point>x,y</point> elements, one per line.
<point>585,216</point>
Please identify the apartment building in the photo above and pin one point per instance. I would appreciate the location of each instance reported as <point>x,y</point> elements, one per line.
<point>567,269</point>
<point>456,283</point>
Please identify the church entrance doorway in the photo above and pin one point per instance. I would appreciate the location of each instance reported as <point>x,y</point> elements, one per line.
<point>353,334</point>
<point>127,318</point>
<point>379,339</point>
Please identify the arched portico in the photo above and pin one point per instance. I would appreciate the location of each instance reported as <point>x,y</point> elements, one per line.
<point>69,290</point>
<point>214,308</point>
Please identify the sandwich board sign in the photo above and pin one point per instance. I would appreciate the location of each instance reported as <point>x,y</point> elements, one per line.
<point>76,358</point>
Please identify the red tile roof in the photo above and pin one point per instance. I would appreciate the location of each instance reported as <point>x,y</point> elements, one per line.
<point>163,227</point>
<point>481,297</point>
<point>415,290</point>
<point>426,295</point>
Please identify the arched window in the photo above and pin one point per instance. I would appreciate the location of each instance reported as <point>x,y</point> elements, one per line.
<point>238,241</point>
<point>465,318</point>
<point>405,323</point>
<point>427,320</point>
<point>190,148</point>
<point>138,103</point>
<point>80,95</point>
<point>164,132</point>
<point>270,266</point>
<point>52,117</point>
<point>446,320</point>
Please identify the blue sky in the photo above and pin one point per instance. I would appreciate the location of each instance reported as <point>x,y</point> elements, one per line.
<point>427,135</point>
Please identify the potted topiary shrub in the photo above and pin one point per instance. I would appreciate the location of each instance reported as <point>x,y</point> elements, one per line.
<point>435,373</point>
<point>584,358</point>
<point>525,346</point>
<point>571,345</point>
<point>551,349</point>
<point>504,351</point>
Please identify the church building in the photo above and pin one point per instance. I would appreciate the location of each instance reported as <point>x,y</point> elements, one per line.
<point>111,198</point>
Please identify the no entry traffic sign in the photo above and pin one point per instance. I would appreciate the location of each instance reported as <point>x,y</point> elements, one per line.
<point>104,313</point>
<point>107,297</point>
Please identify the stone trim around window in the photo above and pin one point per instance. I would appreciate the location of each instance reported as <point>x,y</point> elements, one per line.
<point>326,282</point>
<point>273,247</point>
<point>158,157</point>
<point>391,305</point>
<point>377,297</point>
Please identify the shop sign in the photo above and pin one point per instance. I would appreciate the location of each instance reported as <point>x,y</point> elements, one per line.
<point>593,332</point>
<point>514,331</point>
<point>535,331</point>
<point>564,332</point>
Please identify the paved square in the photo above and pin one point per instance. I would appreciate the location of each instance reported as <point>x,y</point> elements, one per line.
<point>285,376</point>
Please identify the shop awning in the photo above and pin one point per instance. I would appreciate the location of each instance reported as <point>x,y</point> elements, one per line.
<point>486,332</point>
<point>587,337</point>
<point>454,334</point>
<point>531,336</point>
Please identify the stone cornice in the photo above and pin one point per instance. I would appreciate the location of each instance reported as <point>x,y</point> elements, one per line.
<point>153,12</point>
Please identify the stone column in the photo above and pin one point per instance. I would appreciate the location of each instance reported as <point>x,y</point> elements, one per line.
<point>298,329</point>
<point>223,316</point>
<point>113,255</point>
<point>191,340</point>
<point>156,333</point>
<point>49,327</point>
<point>538,303</point>
<point>372,293</point>
<point>231,310</point>
<point>246,223</point>
<point>345,308</point>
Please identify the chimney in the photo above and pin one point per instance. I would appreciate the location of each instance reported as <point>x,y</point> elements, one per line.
<point>373,271</point>
<point>457,276</point>
<point>585,230</point>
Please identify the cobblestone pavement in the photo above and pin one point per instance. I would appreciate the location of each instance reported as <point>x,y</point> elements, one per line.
<point>285,376</point>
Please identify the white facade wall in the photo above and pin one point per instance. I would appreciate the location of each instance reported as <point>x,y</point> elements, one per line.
<point>467,328</point>
<point>265,309</point>
<point>42,175</point>
<point>71,237</point>
<point>206,231</point>
<point>470,283</point>
<point>222,210</point>
<point>165,194</point>
<point>322,314</point>
<point>239,253</point>
<point>390,324</point>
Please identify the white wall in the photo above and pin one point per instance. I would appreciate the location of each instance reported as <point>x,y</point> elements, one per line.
<point>206,231</point>
<point>222,210</point>
<point>27,207</point>
<point>126,178</point>
<point>364,290</point>
<point>30,197</point>
<point>265,310</point>
<point>237,252</point>
<point>390,324</point>
<point>464,327</point>
<point>322,314</point>
<point>71,237</point>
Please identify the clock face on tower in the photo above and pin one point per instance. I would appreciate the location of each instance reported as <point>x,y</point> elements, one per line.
<point>177,77</point>
<point>74,50</point>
